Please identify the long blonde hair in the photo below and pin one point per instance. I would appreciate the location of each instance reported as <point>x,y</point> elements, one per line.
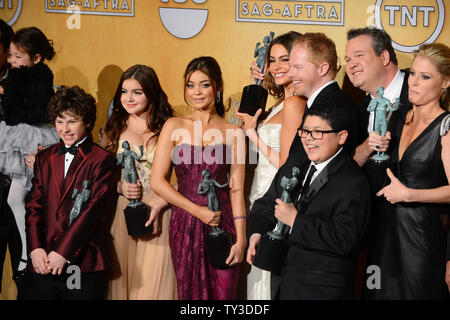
<point>440,55</point>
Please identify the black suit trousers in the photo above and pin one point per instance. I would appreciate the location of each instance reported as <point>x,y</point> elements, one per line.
<point>54,287</point>
<point>9,234</point>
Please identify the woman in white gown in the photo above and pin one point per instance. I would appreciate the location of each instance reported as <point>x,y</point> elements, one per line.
<point>273,136</point>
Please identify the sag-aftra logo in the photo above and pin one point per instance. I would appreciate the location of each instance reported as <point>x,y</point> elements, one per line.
<point>92,7</point>
<point>10,10</point>
<point>317,12</point>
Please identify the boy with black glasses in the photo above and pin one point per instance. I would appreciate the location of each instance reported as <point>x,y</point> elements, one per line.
<point>328,215</point>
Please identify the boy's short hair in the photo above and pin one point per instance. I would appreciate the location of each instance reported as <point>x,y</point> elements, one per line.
<point>334,114</point>
<point>6,34</point>
<point>74,101</point>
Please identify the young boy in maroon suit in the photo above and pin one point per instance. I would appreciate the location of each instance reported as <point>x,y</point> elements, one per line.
<point>62,229</point>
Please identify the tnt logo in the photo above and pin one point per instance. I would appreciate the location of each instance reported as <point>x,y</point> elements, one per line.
<point>410,24</point>
<point>10,10</point>
<point>183,19</point>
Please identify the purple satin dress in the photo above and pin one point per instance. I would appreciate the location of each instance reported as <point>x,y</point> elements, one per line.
<point>196,278</point>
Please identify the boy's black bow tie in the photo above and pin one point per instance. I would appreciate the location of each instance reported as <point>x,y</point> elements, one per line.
<point>63,150</point>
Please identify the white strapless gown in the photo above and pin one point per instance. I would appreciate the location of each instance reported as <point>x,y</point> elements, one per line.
<point>258,280</point>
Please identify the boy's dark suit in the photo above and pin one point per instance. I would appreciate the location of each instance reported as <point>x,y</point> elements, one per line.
<point>331,94</point>
<point>330,223</point>
<point>297,155</point>
<point>87,242</point>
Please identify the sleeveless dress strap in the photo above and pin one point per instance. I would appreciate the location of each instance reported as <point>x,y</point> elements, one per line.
<point>274,111</point>
<point>445,125</point>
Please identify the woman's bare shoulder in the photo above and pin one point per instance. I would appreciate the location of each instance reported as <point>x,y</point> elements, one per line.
<point>176,122</point>
<point>230,126</point>
<point>294,102</point>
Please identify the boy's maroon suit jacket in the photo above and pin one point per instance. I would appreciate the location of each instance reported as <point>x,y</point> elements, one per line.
<point>87,242</point>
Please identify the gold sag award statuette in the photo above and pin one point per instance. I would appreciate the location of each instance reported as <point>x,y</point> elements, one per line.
<point>218,242</point>
<point>254,96</point>
<point>273,247</point>
<point>380,161</point>
<point>136,213</point>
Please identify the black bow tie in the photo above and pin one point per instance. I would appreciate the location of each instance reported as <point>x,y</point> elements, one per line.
<point>63,150</point>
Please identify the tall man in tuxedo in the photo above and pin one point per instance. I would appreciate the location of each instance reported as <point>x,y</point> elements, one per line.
<point>313,67</point>
<point>55,241</point>
<point>372,63</point>
<point>328,216</point>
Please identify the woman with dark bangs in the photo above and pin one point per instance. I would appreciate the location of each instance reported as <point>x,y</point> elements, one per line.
<point>273,136</point>
<point>207,146</point>
<point>145,269</point>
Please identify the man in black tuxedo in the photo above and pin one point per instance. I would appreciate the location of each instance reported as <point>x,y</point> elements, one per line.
<point>329,213</point>
<point>372,63</point>
<point>313,67</point>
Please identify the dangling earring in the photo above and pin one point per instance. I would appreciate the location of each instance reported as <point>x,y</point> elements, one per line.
<point>218,97</point>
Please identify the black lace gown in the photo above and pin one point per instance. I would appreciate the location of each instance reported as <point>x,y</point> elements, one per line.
<point>411,244</point>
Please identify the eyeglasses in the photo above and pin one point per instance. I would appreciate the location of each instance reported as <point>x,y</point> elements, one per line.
<point>315,134</point>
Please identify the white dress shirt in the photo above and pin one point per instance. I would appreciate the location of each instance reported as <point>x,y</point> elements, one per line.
<point>68,157</point>
<point>392,92</point>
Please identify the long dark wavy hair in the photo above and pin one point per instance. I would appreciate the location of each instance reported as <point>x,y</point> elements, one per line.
<point>210,67</point>
<point>160,109</point>
<point>286,40</point>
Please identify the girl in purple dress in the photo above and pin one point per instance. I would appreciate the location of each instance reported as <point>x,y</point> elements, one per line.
<point>192,143</point>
